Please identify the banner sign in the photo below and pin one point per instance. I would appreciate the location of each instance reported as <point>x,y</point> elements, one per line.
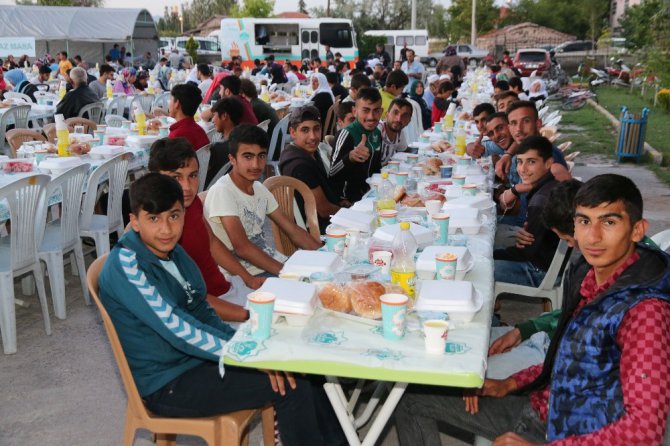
<point>17,46</point>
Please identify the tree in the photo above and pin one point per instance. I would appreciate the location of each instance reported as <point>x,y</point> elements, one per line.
<point>460,13</point>
<point>197,11</point>
<point>192,49</point>
<point>585,19</point>
<point>302,6</point>
<point>254,8</point>
<point>635,23</point>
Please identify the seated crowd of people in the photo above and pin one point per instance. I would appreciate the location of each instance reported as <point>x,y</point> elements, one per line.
<point>600,373</point>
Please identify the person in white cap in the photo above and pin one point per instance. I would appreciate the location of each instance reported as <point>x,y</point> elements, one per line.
<point>429,93</point>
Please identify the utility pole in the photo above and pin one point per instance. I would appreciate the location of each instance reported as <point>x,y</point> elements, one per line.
<point>328,9</point>
<point>473,29</point>
<point>413,14</point>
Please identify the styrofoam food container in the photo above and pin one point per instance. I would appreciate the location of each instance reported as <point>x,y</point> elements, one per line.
<point>303,263</point>
<point>457,298</point>
<point>422,235</point>
<point>105,151</point>
<point>59,165</point>
<point>477,201</point>
<point>293,299</point>
<point>426,260</point>
<point>138,141</point>
<point>81,137</point>
<point>350,218</point>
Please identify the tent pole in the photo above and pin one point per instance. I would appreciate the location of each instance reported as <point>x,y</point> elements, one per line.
<point>67,48</point>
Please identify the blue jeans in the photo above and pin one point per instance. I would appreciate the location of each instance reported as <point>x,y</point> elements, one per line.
<point>520,273</point>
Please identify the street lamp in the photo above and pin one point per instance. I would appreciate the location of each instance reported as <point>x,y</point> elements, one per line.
<point>473,28</point>
<point>181,23</point>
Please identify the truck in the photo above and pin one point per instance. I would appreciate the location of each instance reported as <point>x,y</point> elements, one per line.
<point>462,50</point>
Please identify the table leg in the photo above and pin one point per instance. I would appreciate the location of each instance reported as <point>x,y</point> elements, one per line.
<point>384,414</point>
<point>372,404</point>
<point>355,394</point>
<point>340,410</point>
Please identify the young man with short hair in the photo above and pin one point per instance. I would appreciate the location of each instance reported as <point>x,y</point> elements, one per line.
<point>230,86</point>
<point>505,99</point>
<point>344,114</point>
<point>262,110</point>
<point>480,114</point>
<point>357,151</point>
<point>516,85</point>
<point>396,82</point>
<point>237,204</point>
<point>226,115</point>
<point>184,102</point>
<point>43,75</point>
<point>301,159</point>
<point>175,158</point>
<point>358,81</point>
<point>442,100</point>
<point>397,118</point>
<point>412,67</point>
<point>174,342</point>
<point>99,86</point>
<point>205,77</point>
<point>334,83</point>
<point>64,63</point>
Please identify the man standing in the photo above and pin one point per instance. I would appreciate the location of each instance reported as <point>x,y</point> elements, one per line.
<point>80,96</point>
<point>412,67</point>
<point>357,151</point>
<point>64,63</point>
<point>382,55</point>
<point>398,117</point>
<point>115,53</point>
<point>184,102</point>
<point>301,160</point>
<point>99,86</point>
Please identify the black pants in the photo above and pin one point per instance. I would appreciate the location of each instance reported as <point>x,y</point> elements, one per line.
<point>304,415</point>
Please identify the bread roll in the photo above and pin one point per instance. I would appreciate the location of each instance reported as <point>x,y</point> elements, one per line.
<point>334,297</point>
<point>413,200</point>
<point>364,298</point>
<point>432,166</point>
<point>399,193</point>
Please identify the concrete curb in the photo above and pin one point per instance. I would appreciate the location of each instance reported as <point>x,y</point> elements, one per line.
<point>656,156</point>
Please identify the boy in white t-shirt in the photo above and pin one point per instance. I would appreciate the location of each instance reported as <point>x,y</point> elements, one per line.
<point>237,204</point>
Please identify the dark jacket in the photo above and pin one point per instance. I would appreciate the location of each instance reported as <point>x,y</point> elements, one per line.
<point>75,100</point>
<point>297,163</point>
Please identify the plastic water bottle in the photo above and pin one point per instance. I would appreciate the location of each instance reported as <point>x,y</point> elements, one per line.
<point>61,90</point>
<point>63,135</point>
<point>385,193</point>
<point>403,267</point>
<point>110,91</point>
<point>265,95</point>
<point>140,120</point>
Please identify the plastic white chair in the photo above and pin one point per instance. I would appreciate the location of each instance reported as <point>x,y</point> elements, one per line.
<point>98,226</point>
<point>20,96</point>
<point>143,100</point>
<point>114,120</point>
<point>116,106</point>
<point>264,125</point>
<point>62,236</point>
<point>222,172</point>
<point>25,198</point>
<point>203,154</point>
<point>94,112</point>
<point>161,100</point>
<point>548,288</point>
<point>280,130</point>
<point>16,115</point>
<point>662,239</point>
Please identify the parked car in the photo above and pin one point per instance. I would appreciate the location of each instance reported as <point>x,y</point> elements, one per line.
<point>209,50</point>
<point>532,59</point>
<point>575,45</point>
<point>462,50</point>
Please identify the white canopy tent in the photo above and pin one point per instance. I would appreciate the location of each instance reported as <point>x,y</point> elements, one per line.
<point>89,32</point>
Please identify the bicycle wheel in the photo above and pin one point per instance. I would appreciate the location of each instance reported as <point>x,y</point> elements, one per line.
<point>573,104</point>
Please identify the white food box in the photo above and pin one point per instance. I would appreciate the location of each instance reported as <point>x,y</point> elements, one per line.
<point>364,205</point>
<point>457,298</point>
<point>477,201</point>
<point>81,137</point>
<point>138,141</point>
<point>116,131</point>
<point>303,263</point>
<point>423,236</point>
<point>475,179</point>
<point>349,218</point>
<point>291,296</point>
<point>105,151</point>
<point>59,165</point>
<point>426,260</point>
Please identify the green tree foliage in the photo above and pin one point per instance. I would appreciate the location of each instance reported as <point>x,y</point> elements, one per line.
<point>460,13</point>
<point>635,26</point>
<point>192,49</point>
<point>197,11</point>
<point>254,8</point>
<point>585,19</point>
<point>302,6</point>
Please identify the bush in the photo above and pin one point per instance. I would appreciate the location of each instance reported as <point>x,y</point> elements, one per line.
<point>192,49</point>
<point>664,98</point>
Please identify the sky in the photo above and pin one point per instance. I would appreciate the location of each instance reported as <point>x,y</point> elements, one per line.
<point>156,7</point>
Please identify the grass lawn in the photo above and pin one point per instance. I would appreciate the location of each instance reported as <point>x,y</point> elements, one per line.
<point>591,133</point>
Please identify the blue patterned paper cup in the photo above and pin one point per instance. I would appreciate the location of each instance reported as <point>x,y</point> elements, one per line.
<point>441,222</point>
<point>388,217</point>
<point>261,306</point>
<point>335,239</point>
<point>401,178</point>
<point>394,310</point>
<point>445,265</point>
<point>446,171</point>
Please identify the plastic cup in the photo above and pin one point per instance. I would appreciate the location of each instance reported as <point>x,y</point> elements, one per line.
<point>393,166</point>
<point>458,180</point>
<point>394,309</point>
<point>445,265</point>
<point>446,171</point>
<point>469,190</point>
<point>388,217</point>
<point>412,159</point>
<point>435,332</point>
<point>335,240</point>
<point>401,178</point>
<point>125,124</point>
<point>261,306</point>
<point>163,131</point>
<point>438,127</point>
<point>382,259</point>
<point>464,161</point>
<point>441,222</point>
<point>163,120</point>
<point>433,206</point>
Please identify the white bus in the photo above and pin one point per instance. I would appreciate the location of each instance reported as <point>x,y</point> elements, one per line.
<point>287,39</point>
<point>416,39</point>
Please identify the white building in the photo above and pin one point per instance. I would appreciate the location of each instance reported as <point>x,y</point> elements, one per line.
<point>617,9</point>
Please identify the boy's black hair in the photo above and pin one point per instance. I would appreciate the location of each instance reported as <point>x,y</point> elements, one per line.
<point>230,106</point>
<point>369,94</point>
<point>444,86</point>
<point>522,104</point>
<point>248,89</point>
<point>247,134</point>
<point>105,68</point>
<point>506,94</point>
<point>332,78</point>
<point>401,103</point>
<point>154,193</point>
<point>560,214</point>
<point>360,80</point>
<point>204,69</point>
<point>343,109</point>
<point>397,78</point>
<point>502,85</point>
<point>232,83</point>
<point>516,83</point>
<point>170,154</point>
<point>484,107</point>
<point>189,97</point>
<point>539,143</point>
<point>45,69</point>
<point>302,114</point>
<point>610,188</point>
<point>501,115</point>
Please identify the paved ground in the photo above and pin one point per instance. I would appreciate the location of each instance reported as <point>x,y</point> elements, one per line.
<point>64,389</point>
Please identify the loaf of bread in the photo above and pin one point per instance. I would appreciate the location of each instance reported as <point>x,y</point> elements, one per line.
<point>365,300</point>
<point>334,297</point>
<point>399,193</point>
<point>432,166</point>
